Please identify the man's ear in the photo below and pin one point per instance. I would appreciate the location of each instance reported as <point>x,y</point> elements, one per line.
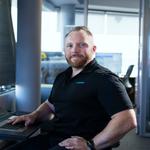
<point>94,48</point>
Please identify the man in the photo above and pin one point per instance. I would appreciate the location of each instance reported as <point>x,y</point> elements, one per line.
<point>91,107</point>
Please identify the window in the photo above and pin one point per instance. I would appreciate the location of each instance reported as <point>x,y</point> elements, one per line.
<point>114,33</point>
<point>53,60</point>
<point>7,45</point>
<point>117,33</point>
<point>51,38</point>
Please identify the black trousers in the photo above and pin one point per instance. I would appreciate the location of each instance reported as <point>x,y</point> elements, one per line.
<point>41,142</point>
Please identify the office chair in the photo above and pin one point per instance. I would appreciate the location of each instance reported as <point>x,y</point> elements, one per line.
<point>127,76</point>
<point>129,87</point>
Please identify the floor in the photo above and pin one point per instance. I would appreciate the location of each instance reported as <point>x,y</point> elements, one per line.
<point>132,141</point>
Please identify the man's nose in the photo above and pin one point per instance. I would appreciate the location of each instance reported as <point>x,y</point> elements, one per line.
<point>75,48</point>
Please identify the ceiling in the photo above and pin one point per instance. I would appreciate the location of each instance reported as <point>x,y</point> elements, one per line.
<point>111,5</point>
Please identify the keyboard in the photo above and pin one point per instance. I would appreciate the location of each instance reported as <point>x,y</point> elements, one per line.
<point>16,132</point>
<point>4,116</point>
<point>18,126</point>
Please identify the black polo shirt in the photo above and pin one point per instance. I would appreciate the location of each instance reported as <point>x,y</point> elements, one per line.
<point>85,103</point>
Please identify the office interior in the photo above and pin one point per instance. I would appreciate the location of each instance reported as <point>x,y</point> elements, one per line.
<point>34,35</point>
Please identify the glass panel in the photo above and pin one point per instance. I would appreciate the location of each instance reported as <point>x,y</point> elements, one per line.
<point>14,16</point>
<point>7,45</point>
<point>99,26</point>
<point>51,39</point>
<point>120,30</point>
<point>79,18</point>
<point>124,24</point>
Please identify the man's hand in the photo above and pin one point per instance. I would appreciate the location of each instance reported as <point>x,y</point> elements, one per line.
<point>27,119</point>
<point>40,114</point>
<point>74,143</point>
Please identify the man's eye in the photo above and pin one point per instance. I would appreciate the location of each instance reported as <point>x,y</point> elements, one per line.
<point>69,45</point>
<point>83,45</point>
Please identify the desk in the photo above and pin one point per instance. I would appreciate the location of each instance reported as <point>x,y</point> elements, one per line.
<point>10,142</point>
<point>13,136</point>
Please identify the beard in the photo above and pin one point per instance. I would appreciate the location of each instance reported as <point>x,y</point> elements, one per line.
<point>77,61</point>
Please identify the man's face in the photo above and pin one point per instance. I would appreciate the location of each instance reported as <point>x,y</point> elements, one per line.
<point>79,49</point>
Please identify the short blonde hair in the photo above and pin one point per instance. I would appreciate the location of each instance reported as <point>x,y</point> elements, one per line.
<point>78,28</point>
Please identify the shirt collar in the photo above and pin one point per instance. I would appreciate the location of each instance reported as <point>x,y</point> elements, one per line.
<point>90,66</point>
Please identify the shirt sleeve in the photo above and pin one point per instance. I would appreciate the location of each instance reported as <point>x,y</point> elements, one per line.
<point>113,95</point>
<point>51,106</point>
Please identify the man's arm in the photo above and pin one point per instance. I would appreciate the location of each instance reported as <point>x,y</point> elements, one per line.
<point>119,125</point>
<point>41,113</point>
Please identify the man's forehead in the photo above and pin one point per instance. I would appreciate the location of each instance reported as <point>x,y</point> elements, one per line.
<point>78,35</point>
<point>80,32</point>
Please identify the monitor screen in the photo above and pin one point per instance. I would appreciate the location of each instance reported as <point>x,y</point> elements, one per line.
<point>112,61</point>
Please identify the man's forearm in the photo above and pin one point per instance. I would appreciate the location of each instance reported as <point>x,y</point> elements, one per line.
<point>120,124</point>
<point>42,112</point>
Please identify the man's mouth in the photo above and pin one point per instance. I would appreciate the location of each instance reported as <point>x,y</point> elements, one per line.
<point>76,55</point>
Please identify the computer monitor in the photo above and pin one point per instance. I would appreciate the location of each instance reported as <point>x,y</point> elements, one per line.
<point>112,61</point>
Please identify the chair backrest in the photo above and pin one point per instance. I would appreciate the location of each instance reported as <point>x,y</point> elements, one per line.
<point>127,76</point>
